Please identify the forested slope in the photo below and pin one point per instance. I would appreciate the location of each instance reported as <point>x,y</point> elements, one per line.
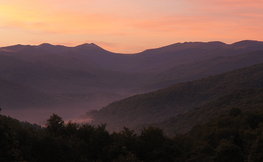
<point>243,99</point>
<point>176,99</point>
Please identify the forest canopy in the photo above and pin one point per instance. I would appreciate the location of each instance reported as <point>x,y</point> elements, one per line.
<point>234,136</point>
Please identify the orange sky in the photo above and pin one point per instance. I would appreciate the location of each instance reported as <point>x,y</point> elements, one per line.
<point>129,26</point>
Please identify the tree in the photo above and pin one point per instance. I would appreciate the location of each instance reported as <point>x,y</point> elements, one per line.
<point>226,151</point>
<point>70,129</point>
<point>235,112</point>
<point>55,124</point>
<point>9,150</point>
<point>153,145</point>
<point>123,146</point>
<point>257,150</point>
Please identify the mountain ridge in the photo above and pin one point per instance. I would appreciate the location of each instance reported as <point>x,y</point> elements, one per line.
<point>178,53</point>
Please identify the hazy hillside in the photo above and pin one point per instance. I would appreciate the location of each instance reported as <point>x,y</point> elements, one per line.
<point>10,62</point>
<point>64,76</point>
<point>62,61</point>
<point>197,70</point>
<point>17,96</point>
<point>243,99</point>
<point>176,99</point>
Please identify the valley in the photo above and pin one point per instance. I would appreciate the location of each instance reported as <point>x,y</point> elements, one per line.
<point>87,78</point>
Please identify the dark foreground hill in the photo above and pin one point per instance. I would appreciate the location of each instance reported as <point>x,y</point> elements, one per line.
<point>177,99</point>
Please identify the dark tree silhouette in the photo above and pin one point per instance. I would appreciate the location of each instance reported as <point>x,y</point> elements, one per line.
<point>55,124</point>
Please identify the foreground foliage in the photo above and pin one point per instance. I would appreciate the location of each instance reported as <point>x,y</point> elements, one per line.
<point>236,136</point>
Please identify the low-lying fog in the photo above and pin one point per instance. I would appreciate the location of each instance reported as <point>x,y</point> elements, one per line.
<point>74,112</point>
<point>71,109</point>
<point>39,116</point>
<point>72,106</point>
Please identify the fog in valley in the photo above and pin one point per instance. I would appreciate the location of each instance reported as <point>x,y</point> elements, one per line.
<point>40,116</point>
<point>75,112</point>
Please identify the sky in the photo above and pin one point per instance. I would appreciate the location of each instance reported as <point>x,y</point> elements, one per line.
<point>129,26</point>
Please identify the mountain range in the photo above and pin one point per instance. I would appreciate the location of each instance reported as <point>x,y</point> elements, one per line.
<point>88,76</point>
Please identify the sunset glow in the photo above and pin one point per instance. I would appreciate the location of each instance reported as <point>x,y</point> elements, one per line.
<point>129,26</point>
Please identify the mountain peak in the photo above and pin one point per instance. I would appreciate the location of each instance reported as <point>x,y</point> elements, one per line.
<point>50,45</point>
<point>45,44</point>
<point>186,46</point>
<point>89,46</point>
<point>17,47</point>
<point>52,48</point>
<point>248,44</point>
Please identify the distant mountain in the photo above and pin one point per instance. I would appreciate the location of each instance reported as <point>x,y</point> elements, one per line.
<point>247,44</point>
<point>53,48</point>
<point>31,83</point>
<point>89,53</point>
<point>59,74</point>
<point>164,58</point>
<point>86,72</point>
<point>177,99</point>
<point>22,51</point>
<point>17,96</point>
<point>152,60</point>
<point>62,61</point>
<point>200,69</point>
<point>11,62</point>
